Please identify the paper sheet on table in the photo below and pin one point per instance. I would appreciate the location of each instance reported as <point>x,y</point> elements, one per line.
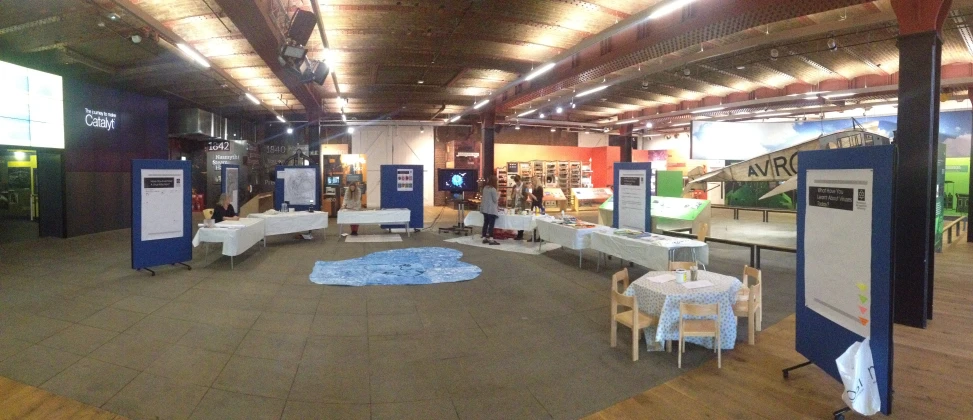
<point>697,284</point>
<point>662,278</point>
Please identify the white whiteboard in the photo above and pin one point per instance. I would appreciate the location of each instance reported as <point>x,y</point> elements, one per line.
<point>299,186</point>
<point>162,204</point>
<point>233,187</point>
<point>838,247</point>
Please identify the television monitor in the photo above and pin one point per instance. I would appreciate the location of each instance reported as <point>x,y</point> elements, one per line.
<point>458,180</point>
<point>334,180</point>
<point>353,178</point>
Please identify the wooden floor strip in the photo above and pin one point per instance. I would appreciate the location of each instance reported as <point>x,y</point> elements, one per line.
<point>932,374</point>
<point>19,401</point>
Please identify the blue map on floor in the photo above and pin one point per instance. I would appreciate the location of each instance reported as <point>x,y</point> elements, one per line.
<point>428,265</point>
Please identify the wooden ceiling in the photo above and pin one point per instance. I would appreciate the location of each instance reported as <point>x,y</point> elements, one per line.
<point>421,59</point>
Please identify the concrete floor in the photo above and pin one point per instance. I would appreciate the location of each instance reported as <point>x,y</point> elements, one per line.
<point>526,339</point>
<point>17,230</point>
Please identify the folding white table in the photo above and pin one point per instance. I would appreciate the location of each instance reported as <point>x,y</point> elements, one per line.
<point>508,221</point>
<point>653,252</point>
<point>375,217</point>
<point>570,237</point>
<point>292,222</point>
<point>237,236</point>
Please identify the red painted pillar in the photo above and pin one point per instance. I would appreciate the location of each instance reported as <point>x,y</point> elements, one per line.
<point>920,55</point>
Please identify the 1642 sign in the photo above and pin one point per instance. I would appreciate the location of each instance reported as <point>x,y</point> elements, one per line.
<point>218,146</point>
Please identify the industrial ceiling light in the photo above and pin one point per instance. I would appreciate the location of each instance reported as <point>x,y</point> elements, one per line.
<point>838,95</point>
<point>680,125</point>
<point>421,82</point>
<point>136,38</point>
<point>686,71</point>
<point>351,130</point>
<point>553,129</point>
<point>252,98</point>
<point>605,129</point>
<point>281,118</point>
<point>517,127</point>
<point>572,105</point>
<point>559,110</point>
<point>480,105</point>
<point>626,122</point>
<point>700,111</point>
<point>648,124</point>
<point>542,115</point>
<point>422,129</point>
<point>114,16</point>
<point>290,130</point>
<point>344,118</point>
<point>774,53</point>
<point>668,8</point>
<point>832,43</point>
<point>540,70</point>
<point>590,91</point>
<point>191,53</point>
<point>526,113</point>
<point>456,118</point>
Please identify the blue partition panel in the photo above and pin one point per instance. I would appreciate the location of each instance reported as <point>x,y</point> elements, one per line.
<point>818,338</point>
<point>157,252</point>
<point>393,198</point>
<point>641,166</point>
<point>281,184</point>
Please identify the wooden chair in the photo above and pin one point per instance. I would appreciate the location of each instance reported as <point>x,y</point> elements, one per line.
<point>700,327</point>
<point>750,302</point>
<point>633,319</point>
<point>681,265</point>
<point>207,213</point>
<point>622,278</point>
<point>701,236</point>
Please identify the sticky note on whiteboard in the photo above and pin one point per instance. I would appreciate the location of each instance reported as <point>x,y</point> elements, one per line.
<point>280,175</point>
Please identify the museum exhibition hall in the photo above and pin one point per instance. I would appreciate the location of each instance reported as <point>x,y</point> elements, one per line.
<point>486,209</point>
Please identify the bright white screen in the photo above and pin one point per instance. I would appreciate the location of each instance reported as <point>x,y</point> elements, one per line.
<point>32,110</point>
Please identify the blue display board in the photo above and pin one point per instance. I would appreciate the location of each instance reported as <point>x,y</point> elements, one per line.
<point>311,200</point>
<point>627,212</point>
<point>822,339</point>
<point>402,189</point>
<point>227,183</point>
<point>161,190</point>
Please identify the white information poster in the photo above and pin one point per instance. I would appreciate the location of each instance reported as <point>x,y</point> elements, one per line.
<point>404,180</point>
<point>162,204</point>
<point>631,199</point>
<point>233,187</point>
<point>299,186</point>
<point>838,247</point>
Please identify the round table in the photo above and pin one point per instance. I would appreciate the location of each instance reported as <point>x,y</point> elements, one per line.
<point>663,299</point>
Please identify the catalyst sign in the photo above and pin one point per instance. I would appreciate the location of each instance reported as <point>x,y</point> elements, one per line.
<point>99,119</point>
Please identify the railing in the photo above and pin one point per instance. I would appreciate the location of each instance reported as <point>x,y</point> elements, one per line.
<point>755,248</point>
<point>766,212</point>
<point>961,224</point>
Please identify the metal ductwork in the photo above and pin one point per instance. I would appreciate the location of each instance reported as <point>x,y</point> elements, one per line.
<point>196,123</point>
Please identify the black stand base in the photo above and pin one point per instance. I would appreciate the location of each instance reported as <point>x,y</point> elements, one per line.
<point>787,371</point>
<point>840,414</point>
<point>184,265</point>
<point>153,272</point>
<point>146,269</point>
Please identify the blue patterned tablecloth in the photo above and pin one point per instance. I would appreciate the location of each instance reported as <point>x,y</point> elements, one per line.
<point>662,299</point>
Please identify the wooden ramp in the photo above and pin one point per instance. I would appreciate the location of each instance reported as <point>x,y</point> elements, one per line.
<point>19,401</point>
<point>932,373</point>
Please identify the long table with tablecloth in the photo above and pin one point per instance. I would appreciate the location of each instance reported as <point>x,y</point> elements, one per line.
<point>569,236</point>
<point>649,250</point>
<point>375,217</point>
<point>507,221</point>
<point>292,222</point>
<point>237,236</point>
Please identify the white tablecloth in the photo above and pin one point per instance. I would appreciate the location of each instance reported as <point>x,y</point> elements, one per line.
<point>236,240</point>
<point>292,222</point>
<point>663,299</point>
<point>652,253</point>
<point>567,236</point>
<point>374,217</point>
<point>507,221</point>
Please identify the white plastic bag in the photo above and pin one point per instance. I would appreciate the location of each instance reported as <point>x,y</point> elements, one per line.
<point>857,372</point>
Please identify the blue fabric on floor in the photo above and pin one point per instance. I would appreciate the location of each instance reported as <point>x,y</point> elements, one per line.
<point>398,266</point>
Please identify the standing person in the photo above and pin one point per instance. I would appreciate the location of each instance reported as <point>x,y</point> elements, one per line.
<point>224,210</point>
<point>352,201</point>
<point>518,196</point>
<point>537,196</point>
<point>488,206</point>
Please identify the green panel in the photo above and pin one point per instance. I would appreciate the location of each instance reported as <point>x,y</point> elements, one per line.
<point>677,208</point>
<point>668,183</point>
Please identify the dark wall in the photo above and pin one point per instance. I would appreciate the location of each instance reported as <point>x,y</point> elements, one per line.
<point>97,157</point>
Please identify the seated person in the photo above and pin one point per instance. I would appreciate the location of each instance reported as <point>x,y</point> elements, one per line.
<point>224,210</point>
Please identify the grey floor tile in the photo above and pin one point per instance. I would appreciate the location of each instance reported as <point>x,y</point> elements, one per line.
<point>415,410</point>
<point>10,346</point>
<point>329,383</point>
<point>224,405</point>
<point>337,350</point>
<point>339,304</point>
<point>284,323</point>
<point>263,377</point>
<point>189,364</point>
<point>113,319</point>
<point>339,325</point>
<point>391,306</point>
<point>211,337</point>
<point>269,345</point>
<point>447,320</point>
<point>159,328</point>
<point>131,351</point>
<point>90,381</point>
<point>407,382</point>
<point>37,364</point>
<point>502,404</point>
<point>72,311</point>
<point>394,324</point>
<point>293,305</point>
<point>301,410</point>
<point>143,304</point>
<point>79,339</point>
<point>30,327</point>
<point>149,397</point>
